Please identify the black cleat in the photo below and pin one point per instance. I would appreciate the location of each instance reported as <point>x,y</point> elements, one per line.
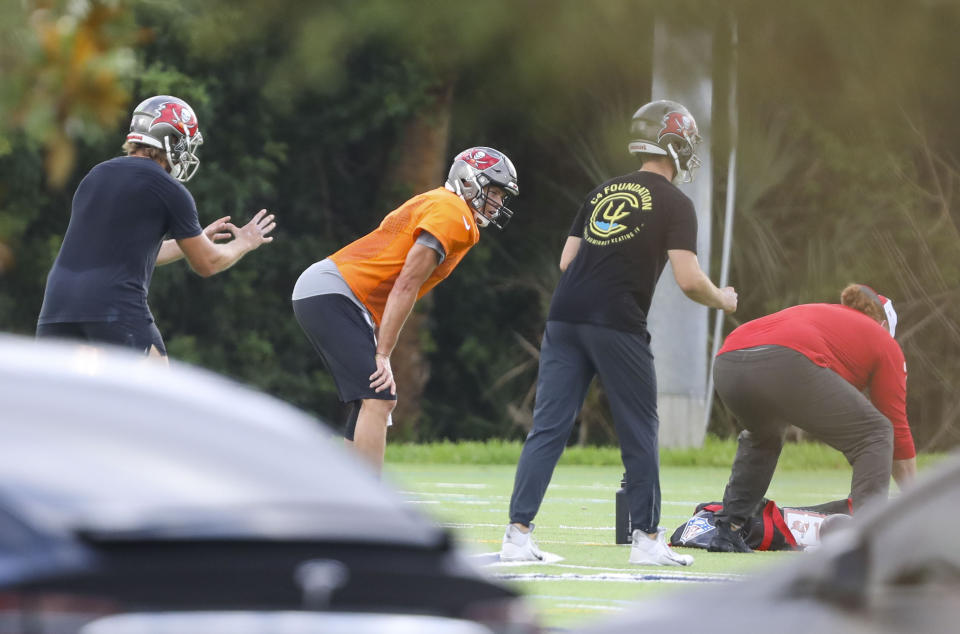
<point>727,540</point>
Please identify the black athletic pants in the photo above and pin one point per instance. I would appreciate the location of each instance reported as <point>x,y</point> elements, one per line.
<point>770,387</point>
<point>570,356</point>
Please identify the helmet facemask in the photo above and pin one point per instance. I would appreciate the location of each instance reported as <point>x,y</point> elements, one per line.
<point>685,160</point>
<point>472,175</point>
<point>182,157</point>
<point>482,203</point>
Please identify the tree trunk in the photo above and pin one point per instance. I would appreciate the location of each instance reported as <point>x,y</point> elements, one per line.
<point>420,166</point>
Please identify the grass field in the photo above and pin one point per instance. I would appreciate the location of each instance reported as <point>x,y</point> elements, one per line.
<point>577,518</point>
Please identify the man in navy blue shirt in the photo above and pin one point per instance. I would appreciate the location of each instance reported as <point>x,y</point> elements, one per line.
<point>122,210</point>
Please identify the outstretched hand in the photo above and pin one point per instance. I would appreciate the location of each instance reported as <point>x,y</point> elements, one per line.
<point>218,230</point>
<point>254,233</point>
<point>382,379</point>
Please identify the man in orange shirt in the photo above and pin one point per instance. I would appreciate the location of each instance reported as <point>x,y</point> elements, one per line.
<point>353,304</point>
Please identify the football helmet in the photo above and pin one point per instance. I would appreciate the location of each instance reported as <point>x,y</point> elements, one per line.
<point>170,124</point>
<point>470,177</point>
<point>666,128</point>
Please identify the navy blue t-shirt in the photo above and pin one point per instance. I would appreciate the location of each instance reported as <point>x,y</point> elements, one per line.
<point>121,212</point>
<point>627,225</point>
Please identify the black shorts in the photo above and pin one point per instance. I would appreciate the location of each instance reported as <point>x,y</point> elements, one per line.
<point>137,334</point>
<point>345,341</point>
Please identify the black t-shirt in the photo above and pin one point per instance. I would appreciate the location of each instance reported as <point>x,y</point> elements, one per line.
<point>121,212</point>
<point>627,225</point>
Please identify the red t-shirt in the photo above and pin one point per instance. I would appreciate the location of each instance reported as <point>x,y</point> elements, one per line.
<point>848,342</point>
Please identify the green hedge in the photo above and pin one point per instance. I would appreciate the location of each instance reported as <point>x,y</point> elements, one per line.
<point>714,453</point>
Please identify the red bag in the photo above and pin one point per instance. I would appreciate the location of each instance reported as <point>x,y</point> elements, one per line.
<point>771,528</point>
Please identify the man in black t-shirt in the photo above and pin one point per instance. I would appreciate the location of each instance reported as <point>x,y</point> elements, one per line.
<point>618,245</point>
<point>97,288</point>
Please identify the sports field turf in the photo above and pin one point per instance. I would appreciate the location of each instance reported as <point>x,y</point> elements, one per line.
<point>576,522</point>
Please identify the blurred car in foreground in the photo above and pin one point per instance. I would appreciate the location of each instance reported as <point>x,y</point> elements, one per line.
<point>893,568</point>
<point>136,498</point>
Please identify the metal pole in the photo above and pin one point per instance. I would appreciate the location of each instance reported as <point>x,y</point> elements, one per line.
<point>728,218</point>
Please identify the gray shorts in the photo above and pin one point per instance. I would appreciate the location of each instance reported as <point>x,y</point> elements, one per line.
<point>345,341</point>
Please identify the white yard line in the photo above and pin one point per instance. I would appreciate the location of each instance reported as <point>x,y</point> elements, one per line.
<point>714,576</point>
<point>489,499</point>
<point>503,525</point>
<point>585,600</point>
<point>452,496</point>
<point>615,577</point>
<point>587,606</point>
<point>631,572</point>
<point>478,501</point>
<point>553,486</point>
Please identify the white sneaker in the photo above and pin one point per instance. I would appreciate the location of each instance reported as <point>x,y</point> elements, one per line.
<point>519,546</point>
<point>655,552</point>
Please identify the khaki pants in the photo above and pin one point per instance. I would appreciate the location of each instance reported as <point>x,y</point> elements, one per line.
<point>771,387</point>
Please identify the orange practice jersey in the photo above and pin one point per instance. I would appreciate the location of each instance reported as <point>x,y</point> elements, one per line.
<point>372,264</point>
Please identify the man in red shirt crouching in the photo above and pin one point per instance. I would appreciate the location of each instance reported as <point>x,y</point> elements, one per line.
<point>807,366</point>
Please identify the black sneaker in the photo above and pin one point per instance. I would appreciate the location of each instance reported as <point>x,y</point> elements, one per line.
<point>727,540</point>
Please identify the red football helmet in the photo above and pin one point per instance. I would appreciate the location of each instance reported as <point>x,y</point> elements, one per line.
<point>666,128</point>
<point>170,124</point>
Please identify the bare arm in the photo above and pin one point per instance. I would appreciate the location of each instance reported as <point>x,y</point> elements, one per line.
<point>207,258</point>
<point>420,263</point>
<point>904,472</point>
<point>217,232</point>
<point>169,252</point>
<point>570,249</point>
<point>696,285</point>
